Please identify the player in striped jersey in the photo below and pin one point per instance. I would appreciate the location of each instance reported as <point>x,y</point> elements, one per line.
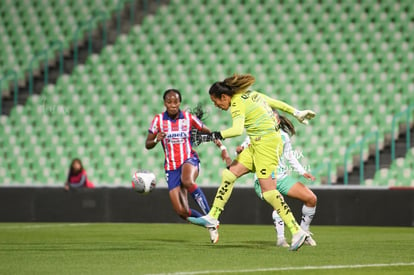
<point>172,129</point>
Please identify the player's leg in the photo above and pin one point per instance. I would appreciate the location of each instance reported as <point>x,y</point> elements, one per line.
<point>223,194</point>
<point>178,204</point>
<point>275,199</point>
<point>266,158</point>
<point>277,220</point>
<point>189,174</point>
<point>178,195</point>
<point>280,230</point>
<point>229,176</point>
<point>301,192</point>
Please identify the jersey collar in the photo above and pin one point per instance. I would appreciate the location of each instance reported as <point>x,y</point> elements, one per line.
<point>167,117</point>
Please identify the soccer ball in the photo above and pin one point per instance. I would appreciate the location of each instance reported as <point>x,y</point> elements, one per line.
<point>143,182</point>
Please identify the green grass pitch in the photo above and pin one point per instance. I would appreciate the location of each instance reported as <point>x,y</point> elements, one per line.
<point>118,248</point>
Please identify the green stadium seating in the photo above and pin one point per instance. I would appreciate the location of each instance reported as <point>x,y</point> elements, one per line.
<point>399,174</point>
<point>350,61</point>
<point>29,27</point>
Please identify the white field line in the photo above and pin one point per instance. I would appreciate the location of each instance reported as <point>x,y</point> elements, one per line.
<point>35,226</point>
<point>291,268</point>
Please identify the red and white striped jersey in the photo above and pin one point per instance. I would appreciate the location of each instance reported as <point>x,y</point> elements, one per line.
<point>176,144</point>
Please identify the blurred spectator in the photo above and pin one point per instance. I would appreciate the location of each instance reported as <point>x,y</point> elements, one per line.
<point>77,177</point>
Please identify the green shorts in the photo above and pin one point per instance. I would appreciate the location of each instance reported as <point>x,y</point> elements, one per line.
<point>283,185</point>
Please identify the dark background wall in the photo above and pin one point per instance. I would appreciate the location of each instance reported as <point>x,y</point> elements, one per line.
<point>335,206</point>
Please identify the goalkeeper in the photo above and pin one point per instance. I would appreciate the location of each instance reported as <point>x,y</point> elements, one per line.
<point>287,184</point>
<point>253,111</point>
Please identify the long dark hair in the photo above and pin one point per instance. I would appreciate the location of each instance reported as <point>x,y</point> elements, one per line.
<point>72,171</point>
<point>199,112</point>
<point>286,125</point>
<point>232,85</point>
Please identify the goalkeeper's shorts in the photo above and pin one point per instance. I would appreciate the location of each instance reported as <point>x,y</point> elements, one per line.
<point>262,156</point>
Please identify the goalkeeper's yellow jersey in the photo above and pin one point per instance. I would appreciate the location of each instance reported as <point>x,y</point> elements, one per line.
<point>253,110</point>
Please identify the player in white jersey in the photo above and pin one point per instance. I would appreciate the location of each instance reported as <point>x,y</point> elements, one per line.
<point>287,184</point>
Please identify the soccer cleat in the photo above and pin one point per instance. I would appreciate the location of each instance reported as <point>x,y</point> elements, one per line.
<point>206,221</point>
<point>309,240</point>
<point>298,239</point>
<point>214,235</point>
<point>282,242</point>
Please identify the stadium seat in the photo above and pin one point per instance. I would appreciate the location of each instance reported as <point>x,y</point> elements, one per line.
<point>30,28</point>
<point>339,59</point>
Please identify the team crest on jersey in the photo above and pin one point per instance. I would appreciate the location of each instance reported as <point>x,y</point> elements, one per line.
<point>184,125</point>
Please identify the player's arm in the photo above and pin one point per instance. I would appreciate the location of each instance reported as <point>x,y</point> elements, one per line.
<point>280,105</point>
<point>153,139</point>
<point>154,134</point>
<point>301,116</point>
<point>290,156</point>
<point>224,153</point>
<point>205,130</point>
<point>238,111</point>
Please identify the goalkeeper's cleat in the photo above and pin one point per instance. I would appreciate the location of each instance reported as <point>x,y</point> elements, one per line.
<point>206,221</point>
<point>214,235</point>
<point>282,242</point>
<point>309,240</point>
<point>298,239</point>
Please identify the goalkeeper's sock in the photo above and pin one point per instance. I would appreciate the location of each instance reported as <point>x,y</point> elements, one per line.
<point>194,213</point>
<point>223,193</point>
<point>276,200</point>
<point>307,216</point>
<point>279,225</point>
<point>199,198</point>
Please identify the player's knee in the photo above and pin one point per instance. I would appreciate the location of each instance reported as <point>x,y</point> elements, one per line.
<point>312,200</point>
<point>187,182</point>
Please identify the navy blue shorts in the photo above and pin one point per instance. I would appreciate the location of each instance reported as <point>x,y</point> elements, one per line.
<point>174,176</point>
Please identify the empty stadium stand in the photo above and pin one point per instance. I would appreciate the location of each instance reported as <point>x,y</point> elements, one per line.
<point>349,61</point>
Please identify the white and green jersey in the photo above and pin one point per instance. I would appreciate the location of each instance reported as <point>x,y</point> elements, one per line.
<point>288,157</point>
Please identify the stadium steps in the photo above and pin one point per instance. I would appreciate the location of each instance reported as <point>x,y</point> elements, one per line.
<point>384,159</point>
<point>97,46</point>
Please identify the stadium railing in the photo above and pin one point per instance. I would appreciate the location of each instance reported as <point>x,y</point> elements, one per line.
<point>361,144</point>
<point>45,55</point>
<point>396,117</point>
<point>13,74</point>
<point>321,167</point>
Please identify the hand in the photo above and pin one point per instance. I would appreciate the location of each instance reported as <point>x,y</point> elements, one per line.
<point>216,135</point>
<point>159,136</point>
<point>239,149</point>
<point>309,176</point>
<point>303,116</point>
<point>66,187</point>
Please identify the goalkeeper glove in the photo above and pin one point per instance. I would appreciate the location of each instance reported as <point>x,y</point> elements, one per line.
<point>303,116</point>
<point>216,135</point>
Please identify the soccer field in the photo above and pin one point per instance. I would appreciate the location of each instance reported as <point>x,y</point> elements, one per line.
<point>116,248</point>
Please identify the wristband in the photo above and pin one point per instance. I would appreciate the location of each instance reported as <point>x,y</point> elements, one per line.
<point>222,148</point>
